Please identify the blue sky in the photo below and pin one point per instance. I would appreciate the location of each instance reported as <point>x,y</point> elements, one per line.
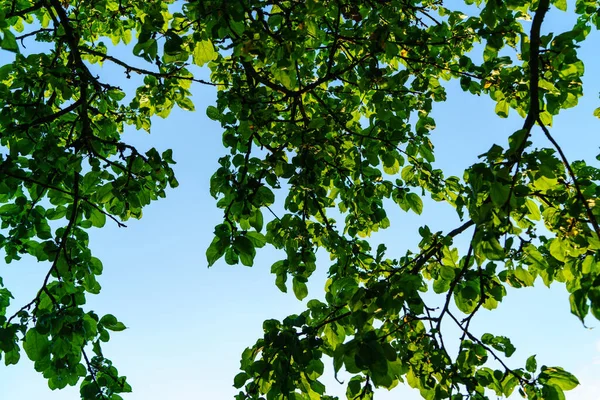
<point>187,324</point>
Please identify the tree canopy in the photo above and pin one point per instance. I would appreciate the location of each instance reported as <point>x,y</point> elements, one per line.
<point>325,111</point>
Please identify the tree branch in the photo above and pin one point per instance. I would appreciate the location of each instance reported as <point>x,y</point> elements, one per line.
<point>61,247</point>
<point>142,71</point>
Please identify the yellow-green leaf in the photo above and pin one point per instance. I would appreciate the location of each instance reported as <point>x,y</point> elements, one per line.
<point>204,52</point>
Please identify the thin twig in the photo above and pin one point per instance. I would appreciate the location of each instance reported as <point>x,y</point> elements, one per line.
<point>91,371</point>
<point>567,165</point>
<point>143,71</point>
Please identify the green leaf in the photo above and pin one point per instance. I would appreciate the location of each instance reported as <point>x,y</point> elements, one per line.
<point>36,345</point>
<point>264,196</point>
<point>116,94</point>
<point>354,387</point>
<point>441,285</point>
<point>492,249</point>
<point>531,364</point>
<point>334,335</point>
<point>5,71</point>
<point>245,249</point>
<point>415,202</point>
<point>213,113</point>
<point>12,357</point>
<point>534,210</point>
<point>256,220</point>
<point>524,277</point>
<point>579,304</point>
<point>147,49</point>
<point>97,218</point>
<point>500,343</point>
<point>560,4</point>
<point>465,298</point>
<point>342,289</point>
<point>237,27</point>
<point>285,77</point>
<point>499,193</point>
<point>231,257</point>
<point>557,376</point>
<point>204,51</point>
<point>89,390</point>
<point>546,118</point>
<point>551,392</point>
<point>558,249</point>
<point>186,103</point>
<point>502,108</point>
<point>258,239</point>
<point>299,287</point>
<point>573,70</point>
<point>60,348</point>
<point>279,269</point>
<point>408,173</point>
<point>9,42</point>
<point>216,250</point>
<point>509,383</point>
<point>390,164</point>
<point>280,281</point>
<point>111,323</point>
<point>240,379</point>
<point>447,273</point>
